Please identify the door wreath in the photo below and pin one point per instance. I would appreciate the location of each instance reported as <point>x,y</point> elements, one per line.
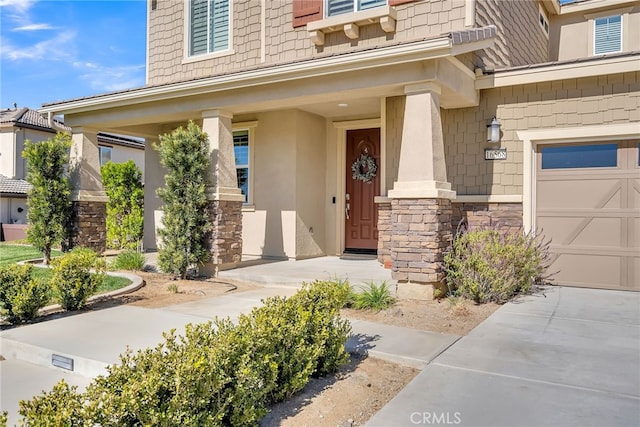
<point>364,168</point>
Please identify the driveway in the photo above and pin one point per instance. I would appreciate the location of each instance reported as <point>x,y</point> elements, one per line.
<point>568,357</point>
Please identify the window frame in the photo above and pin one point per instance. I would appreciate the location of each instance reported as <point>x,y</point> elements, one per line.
<point>595,20</point>
<point>248,127</point>
<point>353,10</point>
<point>543,16</point>
<point>100,155</point>
<point>188,57</point>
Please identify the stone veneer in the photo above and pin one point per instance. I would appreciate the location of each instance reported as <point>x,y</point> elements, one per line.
<point>384,233</point>
<point>421,233</point>
<point>89,225</point>
<point>225,242</point>
<point>505,217</point>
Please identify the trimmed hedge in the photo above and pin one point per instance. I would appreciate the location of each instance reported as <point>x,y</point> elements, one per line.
<point>217,374</point>
<point>21,296</point>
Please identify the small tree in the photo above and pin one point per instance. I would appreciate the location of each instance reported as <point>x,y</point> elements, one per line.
<point>185,155</point>
<point>49,197</point>
<point>123,184</point>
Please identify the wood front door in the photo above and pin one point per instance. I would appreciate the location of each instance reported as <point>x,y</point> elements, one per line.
<point>361,215</point>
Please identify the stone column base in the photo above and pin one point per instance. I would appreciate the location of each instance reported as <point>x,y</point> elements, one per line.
<point>421,233</point>
<point>384,233</point>
<point>88,225</point>
<point>225,239</point>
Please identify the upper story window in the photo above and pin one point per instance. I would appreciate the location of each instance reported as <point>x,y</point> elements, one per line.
<point>338,7</point>
<point>104,154</point>
<point>543,19</point>
<point>607,35</point>
<point>209,26</point>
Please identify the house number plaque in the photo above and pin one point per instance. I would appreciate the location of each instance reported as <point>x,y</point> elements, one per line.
<point>495,154</point>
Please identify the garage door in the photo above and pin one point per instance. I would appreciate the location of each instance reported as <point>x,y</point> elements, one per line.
<point>588,203</point>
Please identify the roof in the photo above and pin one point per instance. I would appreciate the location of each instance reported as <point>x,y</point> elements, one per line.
<point>453,39</point>
<point>28,118</point>
<point>126,141</point>
<point>13,186</point>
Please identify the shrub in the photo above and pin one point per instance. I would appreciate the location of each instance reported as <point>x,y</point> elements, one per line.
<point>374,297</point>
<point>21,296</point>
<point>217,374</point>
<point>72,277</point>
<point>62,406</point>
<point>129,260</point>
<point>49,197</point>
<point>4,417</point>
<point>185,225</point>
<point>123,185</point>
<point>489,266</point>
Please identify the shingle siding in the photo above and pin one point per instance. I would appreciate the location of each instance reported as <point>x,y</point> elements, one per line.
<point>560,104</point>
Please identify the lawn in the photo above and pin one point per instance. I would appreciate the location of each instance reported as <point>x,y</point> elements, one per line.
<point>14,253</point>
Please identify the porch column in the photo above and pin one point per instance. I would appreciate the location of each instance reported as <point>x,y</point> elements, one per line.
<point>88,226</point>
<point>225,198</point>
<point>421,197</point>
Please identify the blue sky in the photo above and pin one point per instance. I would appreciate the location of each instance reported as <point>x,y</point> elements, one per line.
<point>53,50</point>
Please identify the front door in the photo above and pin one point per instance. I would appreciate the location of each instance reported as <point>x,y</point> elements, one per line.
<point>363,184</point>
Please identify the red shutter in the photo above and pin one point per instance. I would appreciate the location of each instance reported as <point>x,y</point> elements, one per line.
<point>397,2</point>
<point>306,11</point>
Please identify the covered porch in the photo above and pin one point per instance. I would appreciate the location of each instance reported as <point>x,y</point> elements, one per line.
<point>296,199</point>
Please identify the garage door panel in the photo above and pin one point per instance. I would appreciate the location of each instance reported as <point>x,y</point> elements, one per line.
<point>579,193</point>
<point>571,231</point>
<point>588,270</point>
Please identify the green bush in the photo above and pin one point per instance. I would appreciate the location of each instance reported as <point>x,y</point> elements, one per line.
<point>61,407</point>
<point>129,260</point>
<point>217,374</point>
<point>489,266</point>
<point>4,417</point>
<point>21,295</point>
<point>72,278</point>
<point>374,297</point>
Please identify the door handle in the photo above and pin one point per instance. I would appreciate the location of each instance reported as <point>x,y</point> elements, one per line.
<point>346,210</point>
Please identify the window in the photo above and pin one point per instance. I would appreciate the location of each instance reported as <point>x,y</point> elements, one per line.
<point>241,151</point>
<point>607,35</point>
<point>104,154</point>
<point>209,26</point>
<point>338,7</point>
<point>580,156</point>
<point>544,20</point>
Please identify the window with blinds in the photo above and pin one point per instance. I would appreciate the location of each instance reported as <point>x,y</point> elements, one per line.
<point>607,35</point>
<point>337,7</point>
<point>208,26</point>
<point>241,152</point>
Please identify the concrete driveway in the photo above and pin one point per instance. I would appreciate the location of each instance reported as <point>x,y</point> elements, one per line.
<point>570,357</point>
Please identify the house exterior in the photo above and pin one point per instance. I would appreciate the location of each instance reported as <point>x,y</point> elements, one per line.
<point>18,125</point>
<point>361,125</point>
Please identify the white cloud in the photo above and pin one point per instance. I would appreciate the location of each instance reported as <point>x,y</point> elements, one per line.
<point>55,48</point>
<point>105,78</point>
<point>34,27</point>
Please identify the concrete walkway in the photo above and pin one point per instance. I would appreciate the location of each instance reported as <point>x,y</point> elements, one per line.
<point>570,357</point>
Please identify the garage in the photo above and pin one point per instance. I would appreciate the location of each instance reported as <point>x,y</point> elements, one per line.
<point>588,204</point>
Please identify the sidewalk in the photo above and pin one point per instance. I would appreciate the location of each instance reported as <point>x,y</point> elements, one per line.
<point>95,339</point>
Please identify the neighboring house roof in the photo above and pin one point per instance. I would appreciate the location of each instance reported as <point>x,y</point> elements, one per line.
<point>13,186</point>
<point>28,118</point>
<point>107,138</point>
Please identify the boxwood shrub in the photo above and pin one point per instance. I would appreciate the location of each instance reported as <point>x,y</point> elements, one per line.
<point>21,295</point>
<point>218,373</point>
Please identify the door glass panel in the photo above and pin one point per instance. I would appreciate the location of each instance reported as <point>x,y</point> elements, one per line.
<point>580,156</point>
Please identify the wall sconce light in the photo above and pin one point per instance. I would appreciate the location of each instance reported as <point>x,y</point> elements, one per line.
<point>493,131</point>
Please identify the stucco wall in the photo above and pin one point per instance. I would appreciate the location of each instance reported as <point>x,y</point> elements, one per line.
<point>7,153</point>
<point>571,35</point>
<point>311,197</point>
<point>568,103</point>
<point>520,39</point>
<point>282,43</point>
<point>393,130</point>
<point>120,154</point>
